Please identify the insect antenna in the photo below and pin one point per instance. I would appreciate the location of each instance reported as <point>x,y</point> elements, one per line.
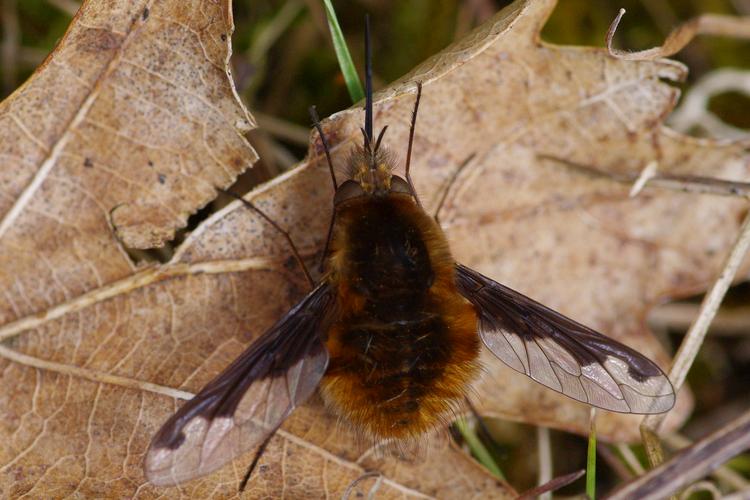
<point>316,123</point>
<point>367,142</point>
<point>368,83</point>
<point>286,235</point>
<point>256,458</point>
<point>451,181</point>
<point>380,139</point>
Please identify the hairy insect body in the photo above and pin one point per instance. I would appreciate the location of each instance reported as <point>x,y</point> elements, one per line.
<point>391,335</point>
<point>404,347</point>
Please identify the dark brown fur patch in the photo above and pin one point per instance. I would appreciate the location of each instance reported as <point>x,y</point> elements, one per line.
<point>405,347</point>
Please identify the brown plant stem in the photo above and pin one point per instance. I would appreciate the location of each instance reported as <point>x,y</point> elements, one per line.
<point>692,463</point>
<point>694,338</point>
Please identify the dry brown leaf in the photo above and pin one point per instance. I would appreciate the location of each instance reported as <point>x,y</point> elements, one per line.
<point>131,123</point>
<point>132,120</point>
<point>95,349</point>
<point>707,24</point>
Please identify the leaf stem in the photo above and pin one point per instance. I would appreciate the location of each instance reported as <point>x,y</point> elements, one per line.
<point>694,338</point>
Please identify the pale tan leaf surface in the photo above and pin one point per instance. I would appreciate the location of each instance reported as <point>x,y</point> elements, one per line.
<point>565,237</point>
<point>133,115</point>
<point>132,122</point>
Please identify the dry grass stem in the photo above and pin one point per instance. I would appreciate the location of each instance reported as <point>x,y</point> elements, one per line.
<point>630,459</point>
<point>700,185</point>
<point>283,129</point>
<point>649,177</point>
<point>694,338</point>
<point>553,485</point>
<point>545,459</point>
<point>692,463</point>
<point>614,461</point>
<point>729,322</point>
<point>724,474</point>
<point>92,375</point>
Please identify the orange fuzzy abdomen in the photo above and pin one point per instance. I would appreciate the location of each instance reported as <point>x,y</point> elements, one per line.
<point>404,349</point>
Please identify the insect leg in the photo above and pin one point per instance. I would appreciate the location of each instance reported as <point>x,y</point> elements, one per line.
<point>328,242</point>
<point>451,181</point>
<point>316,123</point>
<point>288,238</point>
<point>484,432</point>
<point>411,141</point>
<point>256,458</point>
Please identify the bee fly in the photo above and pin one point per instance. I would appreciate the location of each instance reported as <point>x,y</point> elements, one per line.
<point>390,335</point>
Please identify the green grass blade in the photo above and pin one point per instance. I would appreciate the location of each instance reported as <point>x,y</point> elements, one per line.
<point>478,449</point>
<point>591,459</point>
<point>351,77</point>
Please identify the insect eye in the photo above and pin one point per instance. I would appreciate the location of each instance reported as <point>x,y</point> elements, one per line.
<point>348,190</point>
<point>399,185</point>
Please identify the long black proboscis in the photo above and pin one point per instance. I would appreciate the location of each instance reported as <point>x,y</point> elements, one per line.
<point>368,80</point>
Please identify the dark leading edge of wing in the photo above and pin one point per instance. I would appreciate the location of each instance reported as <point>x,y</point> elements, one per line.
<point>562,354</point>
<point>237,410</point>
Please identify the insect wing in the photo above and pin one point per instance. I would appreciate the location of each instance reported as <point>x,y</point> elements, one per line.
<point>562,354</point>
<point>249,400</point>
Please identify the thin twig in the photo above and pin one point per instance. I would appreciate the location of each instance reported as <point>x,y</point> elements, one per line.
<point>729,322</point>
<point>553,485</point>
<point>724,474</point>
<point>695,336</point>
<point>614,462</point>
<point>700,185</point>
<point>282,129</point>
<point>649,178</point>
<point>132,282</point>
<point>90,374</point>
<point>692,463</point>
<point>630,459</point>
